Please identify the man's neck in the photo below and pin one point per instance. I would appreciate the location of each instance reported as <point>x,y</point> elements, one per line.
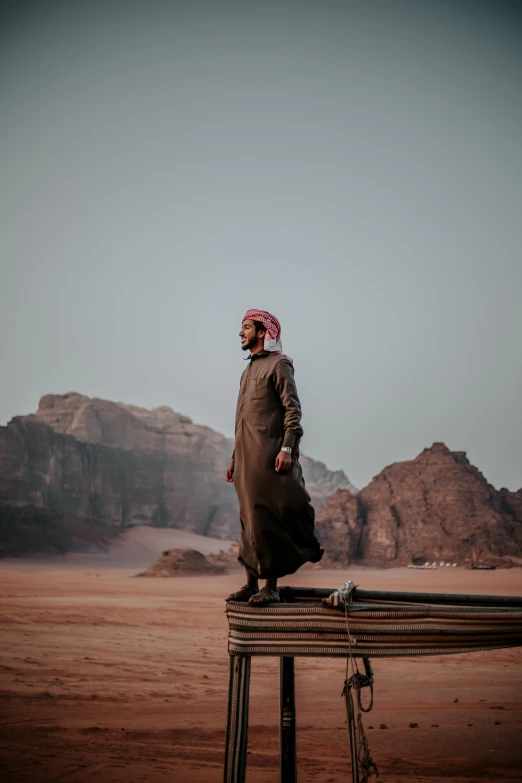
<point>257,348</point>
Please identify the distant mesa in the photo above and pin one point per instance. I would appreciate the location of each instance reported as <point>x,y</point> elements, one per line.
<point>81,471</point>
<point>436,507</point>
<point>183,562</point>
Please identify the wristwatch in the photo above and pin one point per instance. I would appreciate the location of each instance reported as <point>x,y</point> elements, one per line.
<point>287,449</point>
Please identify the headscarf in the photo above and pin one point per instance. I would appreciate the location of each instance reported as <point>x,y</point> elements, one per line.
<point>272,326</point>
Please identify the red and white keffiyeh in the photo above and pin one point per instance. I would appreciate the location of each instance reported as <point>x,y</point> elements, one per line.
<point>272,326</point>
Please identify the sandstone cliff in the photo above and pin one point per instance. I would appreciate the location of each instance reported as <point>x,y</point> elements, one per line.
<point>80,470</point>
<point>435,507</point>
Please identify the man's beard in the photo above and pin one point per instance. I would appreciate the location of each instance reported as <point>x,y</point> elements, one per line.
<point>250,344</point>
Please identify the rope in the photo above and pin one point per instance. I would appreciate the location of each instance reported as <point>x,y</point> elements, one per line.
<point>361,759</point>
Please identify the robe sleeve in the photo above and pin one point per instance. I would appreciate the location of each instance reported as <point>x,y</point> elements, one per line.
<point>284,383</point>
<point>234,452</point>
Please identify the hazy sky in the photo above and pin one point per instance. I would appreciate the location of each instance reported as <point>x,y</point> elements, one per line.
<point>354,167</point>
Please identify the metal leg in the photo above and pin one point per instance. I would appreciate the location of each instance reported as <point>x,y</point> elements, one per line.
<point>287,732</point>
<point>237,723</point>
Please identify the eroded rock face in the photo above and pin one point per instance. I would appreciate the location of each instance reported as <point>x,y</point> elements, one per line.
<point>340,529</point>
<point>435,507</point>
<point>321,482</point>
<point>116,465</point>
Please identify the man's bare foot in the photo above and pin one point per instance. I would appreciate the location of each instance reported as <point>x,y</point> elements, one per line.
<point>265,597</point>
<point>246,592</point>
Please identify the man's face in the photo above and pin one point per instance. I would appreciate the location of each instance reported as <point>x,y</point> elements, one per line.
<point>249,337</point>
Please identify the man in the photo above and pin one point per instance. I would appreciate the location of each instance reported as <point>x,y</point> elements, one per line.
<point>277,518</point>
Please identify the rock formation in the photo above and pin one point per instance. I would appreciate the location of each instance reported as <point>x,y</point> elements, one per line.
<point>182,562</point>
<point>80,470</point>
<point>322,482</point>
<point>435,507</point>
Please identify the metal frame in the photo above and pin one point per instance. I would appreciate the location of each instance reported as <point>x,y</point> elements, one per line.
<point>237,723</point>
<point>239,688</point>
<point>287,722</point>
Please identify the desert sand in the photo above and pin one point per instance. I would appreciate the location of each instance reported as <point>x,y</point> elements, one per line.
<point>109,678</point>
<point>137,547</point>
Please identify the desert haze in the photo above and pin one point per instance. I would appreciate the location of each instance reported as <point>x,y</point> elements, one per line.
<point>110,678</point>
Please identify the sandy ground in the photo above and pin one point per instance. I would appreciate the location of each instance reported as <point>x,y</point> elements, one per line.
<point>111,679</point>
<point>137,547</point>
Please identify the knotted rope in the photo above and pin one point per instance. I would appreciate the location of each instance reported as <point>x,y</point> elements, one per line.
<point>361,760</point>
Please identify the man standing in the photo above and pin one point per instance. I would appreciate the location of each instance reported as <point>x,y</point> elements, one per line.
<point>277,518</point>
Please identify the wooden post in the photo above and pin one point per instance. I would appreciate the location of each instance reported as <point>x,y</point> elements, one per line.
<point>237,723</point>
<point>287,722</point>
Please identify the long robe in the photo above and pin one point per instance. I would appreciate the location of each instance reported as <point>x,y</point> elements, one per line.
<point>277,518</point>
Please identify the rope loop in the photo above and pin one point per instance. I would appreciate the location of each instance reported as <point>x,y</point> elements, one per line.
<point>363,765</point>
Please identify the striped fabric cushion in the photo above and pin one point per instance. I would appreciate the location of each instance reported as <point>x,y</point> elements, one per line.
<point>369,629</point>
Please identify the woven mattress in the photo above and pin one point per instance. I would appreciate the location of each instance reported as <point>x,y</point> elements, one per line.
<point>370,629</point>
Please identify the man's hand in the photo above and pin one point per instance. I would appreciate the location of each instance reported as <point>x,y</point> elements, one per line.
<point>283,462</point>
<point>230,472</point>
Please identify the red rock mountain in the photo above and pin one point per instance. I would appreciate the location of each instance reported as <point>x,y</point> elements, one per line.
<point>80,470</point>
<point>435,507</point>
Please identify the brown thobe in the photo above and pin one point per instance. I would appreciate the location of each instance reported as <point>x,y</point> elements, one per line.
<point>277,518</point>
